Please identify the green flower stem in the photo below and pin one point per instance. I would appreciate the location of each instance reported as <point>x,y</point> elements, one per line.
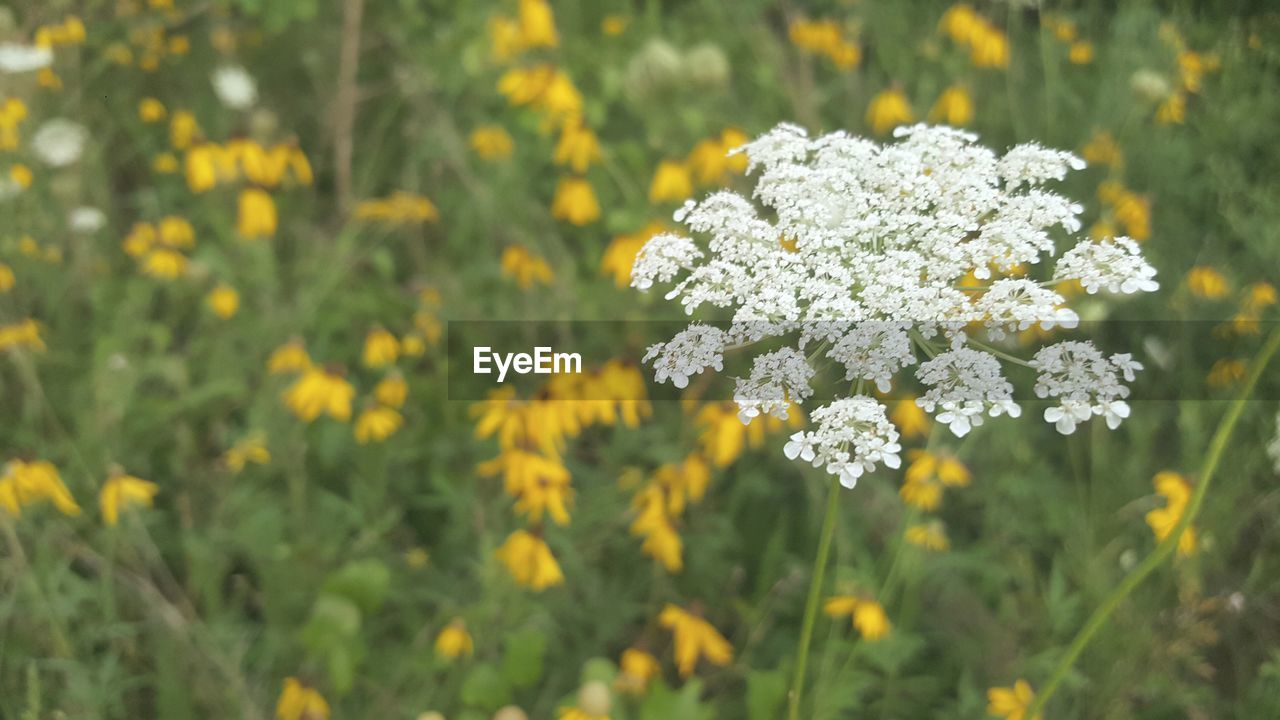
<point>1217,446</point>
<point>815,593</point>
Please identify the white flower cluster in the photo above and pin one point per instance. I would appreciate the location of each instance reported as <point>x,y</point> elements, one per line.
<point>876,252</point>
<point>1084,384</point>
<point>852,435</point>
<point>1273,448</point>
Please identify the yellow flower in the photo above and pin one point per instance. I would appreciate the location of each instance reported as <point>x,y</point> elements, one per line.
<point>201,167</point>
<point>1257,296</point>
<point>320,391</point>
<point>7,278</point>
<point>381,348</point>
<point>250,449</point>
<point>21,334</point>
<point>24,483</point>
<point>257,214</point>
<point>636,669</point>
<point>578,147</point>
<point>1081,52</point>
<point>48,79</point>
<point>888,110</point>
<point>620,256</point>
<point>1102,149</point>
<point>391,391</point>
<point>290,357</point>
<point>1011,703</point>
<point>926,465</point>
<point>529,560</point>
<point>724,436</point>
<point>930,536</point>
<point>224,301</point>
<point>300,702</point>
<point>491,142</point>
<point>613,25</point>
<point>122,491</point>
<point>911,419</point>
<point>21,175</point>
<point>671,182</point>
<point>399,207</point>
<point>1206,282</point>
<point>537,24</point>
<point>959,21</point>
<point>164,263</point>
<point>377,423</point>
<point>989,48</point>
<point>183,129</point>
<point>710,161</point>
<point>694,638</point>
<point>175,232</point>
<point>954,107</point>
<point>1173,110</point>
<point>417,557</point>
<point>1226,372</point>
<point>151,110</point>
<point>526,268</point>
<point>413,345</point>
<point>454,641</point>
<point>575,202</point>
<point>867,615</point>
<point>661,540</point>
<point>925,494</point>
<point>1176,491</point>
<point>165,163</point>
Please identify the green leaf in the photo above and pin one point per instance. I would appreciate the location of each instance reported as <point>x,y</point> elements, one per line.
<point>363,582</point>
<point>522,661</point>
<point>485,688</point>
<point>766,691</point>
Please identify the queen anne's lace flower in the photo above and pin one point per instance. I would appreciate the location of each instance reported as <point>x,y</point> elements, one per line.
<point>874,252</point>
<point>1084,383</point>
<point>851,436</point>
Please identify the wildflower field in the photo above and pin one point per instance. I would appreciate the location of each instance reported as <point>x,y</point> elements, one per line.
<point>927,359</point>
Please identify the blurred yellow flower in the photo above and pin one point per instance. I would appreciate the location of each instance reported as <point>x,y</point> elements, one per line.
<point>578,147</point>
<point>1259,295</point>
<point>320,391</point>
<point>613,25</point>
<point>151,110</point>
<point>122,491</point>
<point>661,540</point>
<point>48,79</point>
<point>620,256</point>
<point>710,161</point>
<point>953,107</point>
<point>1176,491</point>
<point>989,47</point>
<point>635,669</point>
<point>959,21</point>
<point>825,37</point>
<point>911,419</point>
<point>1173,110</point>
<point>1225,373</point>
<point>165,163</point>
<point>21,334</point>
<point>175,232</point>
<point>1207,283</point>
<point>300,702</point>
<point>454,641</point>
<point>381,348</point>
<point>6,278</point>
<point>401,207</point>
<point>224,301</point>
<point>21,175</point>
<point>537,24</point>
<point>1102,149</point>
<point>930,536</point>
<point>201,167</point>
<point>925,494</point>
<point>377,423</point>
<point>694,638</point>
<point>290,357</point>
<point>525,267</point>
<point>1081,52</point>
<point>1011,703</point>
<point>888,110</point>
<point>391,390</point>
<point>671,183</point>
<point>256,217</point>
<point>926,465</point>
<point>867,615</point>
<point>183,129</point>
<point>529,560</point>
<point>23,483</point>
<point>164,263</point>
<point>12,112</point>
<point>491,142</point>
<point>250,449</point>
<point>575,202</point>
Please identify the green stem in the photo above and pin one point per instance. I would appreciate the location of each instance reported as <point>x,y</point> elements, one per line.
<point>1217,446</point>
<point>815,593</point>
